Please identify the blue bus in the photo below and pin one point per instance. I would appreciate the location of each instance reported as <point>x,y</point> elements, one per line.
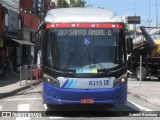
<point>83,57</point>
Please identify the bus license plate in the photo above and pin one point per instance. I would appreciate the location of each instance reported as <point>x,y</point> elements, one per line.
<point>87,101</point>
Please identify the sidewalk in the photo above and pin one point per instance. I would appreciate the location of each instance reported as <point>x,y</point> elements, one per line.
<point>12,86</point>
<point>147,91</point>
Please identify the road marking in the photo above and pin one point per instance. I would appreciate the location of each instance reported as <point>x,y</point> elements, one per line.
<point>56,117</point>
<point>140,107</point>
<point>18,99</point>
<point>0,108</point>
<point>23,107</point>
<point>45,107</point>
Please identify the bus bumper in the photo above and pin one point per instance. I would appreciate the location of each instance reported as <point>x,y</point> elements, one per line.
<point>54,95</point>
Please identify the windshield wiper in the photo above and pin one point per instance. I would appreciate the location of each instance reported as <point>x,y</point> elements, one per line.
<point>88,56</point>
<point>69,61</point>
<point>95,62</point>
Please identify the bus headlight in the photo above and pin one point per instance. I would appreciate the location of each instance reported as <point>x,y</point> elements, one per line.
<point>120,80</point>
<point>52,81</point>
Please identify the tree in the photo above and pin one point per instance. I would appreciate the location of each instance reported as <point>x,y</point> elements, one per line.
<point>73,3</point>
<point>62,4</point>
<point>81,3</point>
<point>77,3</point>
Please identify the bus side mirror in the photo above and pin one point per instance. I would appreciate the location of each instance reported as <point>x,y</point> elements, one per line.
<point>129,45</point>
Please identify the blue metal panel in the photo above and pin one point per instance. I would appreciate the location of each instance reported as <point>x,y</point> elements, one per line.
<point>54,95</point>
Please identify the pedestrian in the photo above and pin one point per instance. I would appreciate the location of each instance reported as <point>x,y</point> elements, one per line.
<point>13,61</point>
<point>8,68</point>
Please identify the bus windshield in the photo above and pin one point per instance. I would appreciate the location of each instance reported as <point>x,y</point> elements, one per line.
<point>83,48</point>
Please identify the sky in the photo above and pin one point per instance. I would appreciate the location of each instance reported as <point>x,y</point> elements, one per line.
<point>131,8</point>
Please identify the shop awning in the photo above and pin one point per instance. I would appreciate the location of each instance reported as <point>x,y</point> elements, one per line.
<point>23,42</point>
<point>11,4</point>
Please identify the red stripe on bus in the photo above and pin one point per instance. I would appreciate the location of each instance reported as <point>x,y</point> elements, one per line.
<point>76,25</point>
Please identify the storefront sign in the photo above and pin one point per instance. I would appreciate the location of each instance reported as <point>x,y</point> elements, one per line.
<point>13,21</point>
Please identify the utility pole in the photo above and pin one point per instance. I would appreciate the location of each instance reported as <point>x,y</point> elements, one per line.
<point>156,14</point>
<point>149,14</point>
<point>149,17</point>
<point>62,3</point>
<point>135,32</point>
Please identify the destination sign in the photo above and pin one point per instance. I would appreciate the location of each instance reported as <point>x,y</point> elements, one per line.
<point>84,32</point>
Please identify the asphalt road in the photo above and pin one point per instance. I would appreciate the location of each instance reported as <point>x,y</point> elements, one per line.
<point>30,100</point>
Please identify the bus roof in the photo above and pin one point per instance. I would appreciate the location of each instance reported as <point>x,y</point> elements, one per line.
<point>85,15</point>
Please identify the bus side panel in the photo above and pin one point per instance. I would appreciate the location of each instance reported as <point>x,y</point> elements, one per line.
<point>54,95</point>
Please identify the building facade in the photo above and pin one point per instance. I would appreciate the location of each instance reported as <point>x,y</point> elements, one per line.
<point>18,26</point>
<point>10,29</point>
<point>30,22</point>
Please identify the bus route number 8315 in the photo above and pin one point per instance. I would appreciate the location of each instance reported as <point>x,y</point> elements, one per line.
<point>98,82</point>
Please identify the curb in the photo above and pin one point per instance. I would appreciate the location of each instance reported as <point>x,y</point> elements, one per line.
<point>3,95</point>
<point>153,101</point>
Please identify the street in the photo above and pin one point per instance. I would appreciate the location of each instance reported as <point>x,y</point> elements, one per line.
<point>30,100</point>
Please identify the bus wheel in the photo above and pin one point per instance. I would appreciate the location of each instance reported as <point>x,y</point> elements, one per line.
<point>143,73</point>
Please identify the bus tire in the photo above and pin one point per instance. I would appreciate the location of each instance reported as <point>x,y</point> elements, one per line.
<point>143,73</point>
